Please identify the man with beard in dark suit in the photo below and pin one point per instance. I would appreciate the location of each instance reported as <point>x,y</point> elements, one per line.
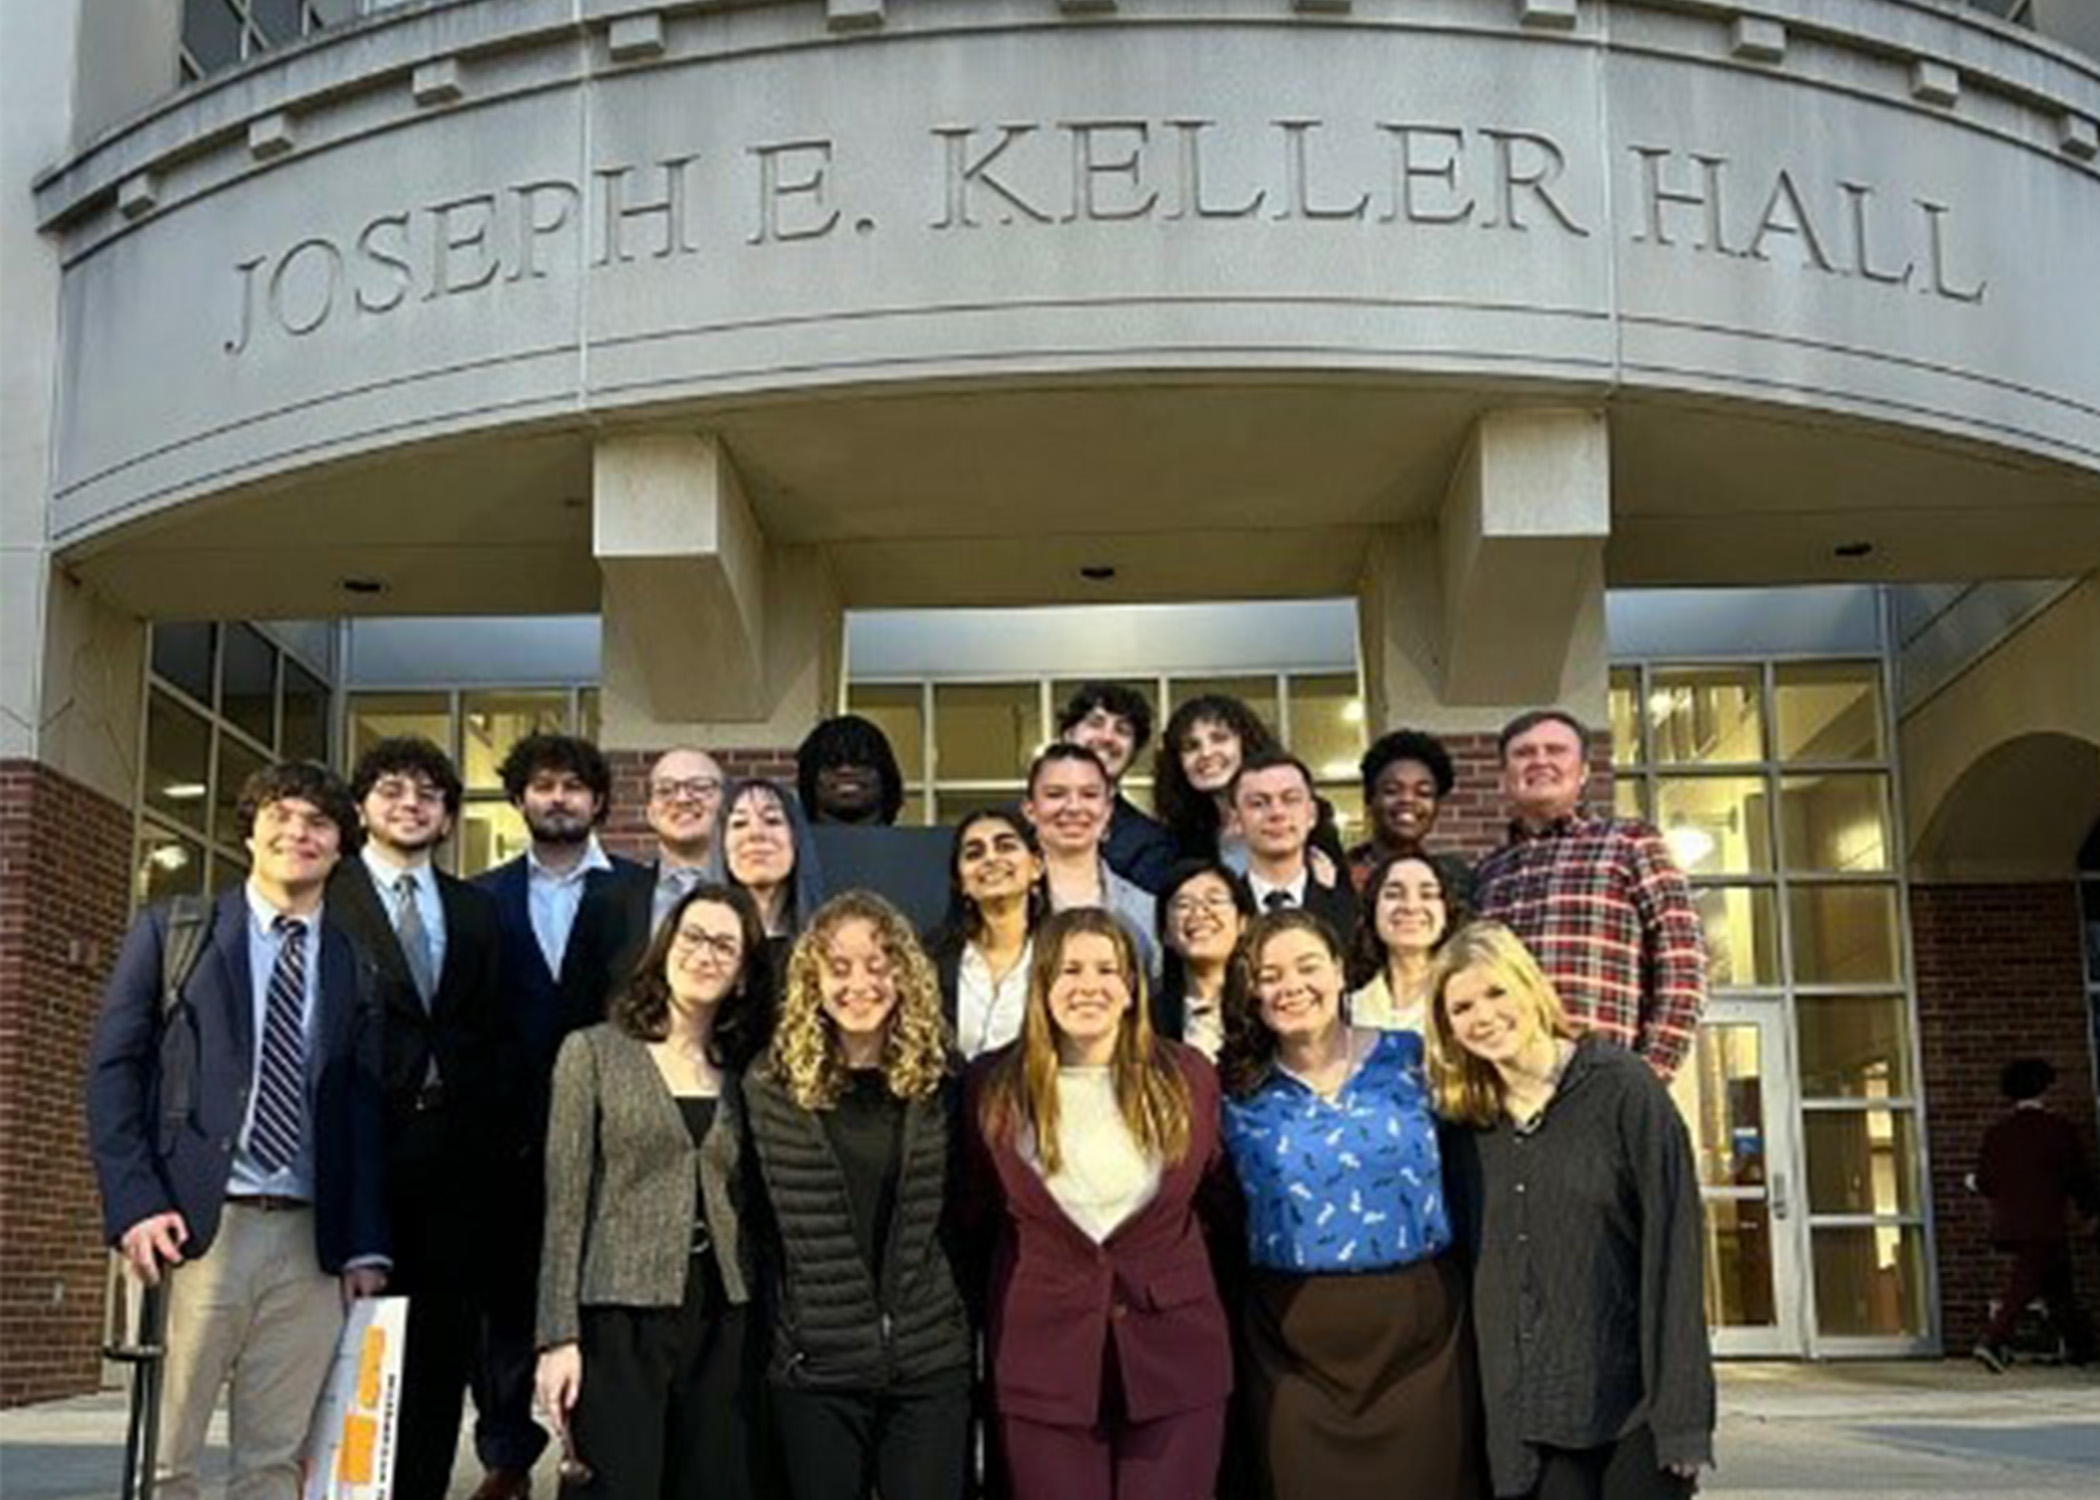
<point>448,1046</point>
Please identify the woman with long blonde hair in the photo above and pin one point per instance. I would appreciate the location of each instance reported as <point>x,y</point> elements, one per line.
<point>1577,1201</point>
<point>851,1115</point>
<point>1095,1142</point>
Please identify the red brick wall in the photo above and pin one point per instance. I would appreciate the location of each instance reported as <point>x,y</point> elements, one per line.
<point>1474,819</point>
<point>627,830</point>
<point>1999,977</point>
<point>65,858</point>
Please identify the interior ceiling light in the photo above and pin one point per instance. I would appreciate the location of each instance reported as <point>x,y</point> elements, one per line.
<point>183,791</point>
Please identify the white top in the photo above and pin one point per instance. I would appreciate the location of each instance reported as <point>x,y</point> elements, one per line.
<point>1106,1177</point>
<point>552,898</point>
<point>988,1014</point>
<point>1293,890</point>
<point>1203,1025</point>
<point>1374,1006</point>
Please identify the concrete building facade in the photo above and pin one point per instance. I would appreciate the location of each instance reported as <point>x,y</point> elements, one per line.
<point>716,323</point>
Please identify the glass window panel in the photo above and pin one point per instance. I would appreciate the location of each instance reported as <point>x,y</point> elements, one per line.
<point>168,865</point>
<point>1854,1046</point>
<point>1869,1281</point>
<point>955,806</point>
<point>913,812</point>
<point>1629,797</point>
<point>227,871</point>
<point>1706,715</point>
<point>212,33</point>
<point>490,723</point>
<point>277,20</point>
<point>1742,935</point>
<point>182,656</point>
<point>986,731</point>
<point>236,763</point>
<point>1258,693</point>
<point>1861,1161</point>
<point>1327,725</point>
<point>588,714</point>
<point>1716,825</point>
<point>1828,710</point>
<point>1347,800</point>
<point>490,832</point>
<point>1721,1096</point>
<point>1739,1264</point>
<point>1845,934</point>
<point>178,760</point>
<point>305,715</point>
<point>248,683</point>
<point>1838,822</point>
<point>377,716</point>
<point>1625,717</point>
<point>898,710</point>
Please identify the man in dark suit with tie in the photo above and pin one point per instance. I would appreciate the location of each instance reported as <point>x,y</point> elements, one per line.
<point>1277,809</point>
<point>449,1047</point>
<point>622,911</point>
<point>238,1138</point>
<point>556,976</point>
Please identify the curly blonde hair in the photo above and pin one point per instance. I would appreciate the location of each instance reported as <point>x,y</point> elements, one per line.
<point>806,1056</point>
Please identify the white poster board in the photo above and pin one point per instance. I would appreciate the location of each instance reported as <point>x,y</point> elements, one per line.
<point>350,1447</point>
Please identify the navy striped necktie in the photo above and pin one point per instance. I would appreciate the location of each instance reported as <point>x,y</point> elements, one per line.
<point>280,1095</point>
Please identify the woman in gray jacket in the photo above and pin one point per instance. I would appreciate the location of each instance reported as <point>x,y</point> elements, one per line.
<point>643,1278</point>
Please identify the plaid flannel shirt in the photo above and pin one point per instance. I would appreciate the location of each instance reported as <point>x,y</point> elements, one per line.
<point>1611,920</point>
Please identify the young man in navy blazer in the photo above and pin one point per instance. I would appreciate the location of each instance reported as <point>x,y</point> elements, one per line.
<point>238,1139</point>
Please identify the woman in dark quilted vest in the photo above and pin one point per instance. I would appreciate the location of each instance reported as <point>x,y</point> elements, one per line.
<point>851,1114</point>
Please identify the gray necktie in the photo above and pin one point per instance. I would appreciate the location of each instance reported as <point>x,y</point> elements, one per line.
<point>415,937</point>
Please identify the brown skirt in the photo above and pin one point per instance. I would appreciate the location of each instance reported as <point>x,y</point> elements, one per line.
<point>1363,1387</point>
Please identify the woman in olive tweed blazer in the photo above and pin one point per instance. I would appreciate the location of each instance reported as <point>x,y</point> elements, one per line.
<point>644,1274</point>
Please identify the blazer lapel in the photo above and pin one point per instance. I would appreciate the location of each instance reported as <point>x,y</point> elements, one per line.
<point>451,899</point>
<point>237,988</point>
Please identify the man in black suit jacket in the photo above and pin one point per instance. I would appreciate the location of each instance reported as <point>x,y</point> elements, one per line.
<point>1274,799</point>
<point>237,1137</point>
<point>555,980</point>
<point>449,1046</point>
<point>622,912</point>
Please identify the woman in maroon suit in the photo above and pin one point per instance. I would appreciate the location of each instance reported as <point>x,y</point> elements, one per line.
<point>1109,1352</point>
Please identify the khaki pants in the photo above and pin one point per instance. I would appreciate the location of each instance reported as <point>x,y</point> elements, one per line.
<point>259,1311</point>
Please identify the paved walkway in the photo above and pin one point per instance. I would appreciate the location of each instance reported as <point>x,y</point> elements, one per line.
<point>1883,1431</point>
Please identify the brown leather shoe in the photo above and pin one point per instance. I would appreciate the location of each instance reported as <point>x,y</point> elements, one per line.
<point>505,1484</point>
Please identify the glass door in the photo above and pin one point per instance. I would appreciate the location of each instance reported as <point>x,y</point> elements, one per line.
<point>1737,1098</point>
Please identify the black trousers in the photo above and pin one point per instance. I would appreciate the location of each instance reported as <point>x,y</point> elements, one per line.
<point>2042,1268</point>
<point>907,1443</point>
<point>1625,1470</point>
<point>432,1210</point>
<point>505,1435</point>
<point>665,1408</point>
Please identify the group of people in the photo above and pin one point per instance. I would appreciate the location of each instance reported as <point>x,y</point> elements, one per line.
<point>1185,1156</point>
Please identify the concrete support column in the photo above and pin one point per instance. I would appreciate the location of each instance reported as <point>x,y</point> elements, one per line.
<point>712,634</point>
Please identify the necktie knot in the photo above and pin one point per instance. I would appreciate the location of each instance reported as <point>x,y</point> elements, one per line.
<point>1277,901</point>
<point>405,886</point>
<point>289,929</point>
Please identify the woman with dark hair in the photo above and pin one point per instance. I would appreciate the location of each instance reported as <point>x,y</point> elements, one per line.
<point>1094,1140</point>
<point>1199,754</point>
<point>644,1275</point>
<point>846,772</point>
<point>981,949</point>
<point>1578,1202</point>
<point>1357,1368</point>
<point>1407,774</point>
<point>1408,911</point>
<point>765,850</point>
<point>850,1114</point>
<point>1203,910</point>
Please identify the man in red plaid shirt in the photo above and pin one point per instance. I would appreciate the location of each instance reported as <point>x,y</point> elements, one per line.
<point>1598,900</point>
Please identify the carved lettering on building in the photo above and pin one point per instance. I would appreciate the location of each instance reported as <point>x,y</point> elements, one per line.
<point>1393,177</point>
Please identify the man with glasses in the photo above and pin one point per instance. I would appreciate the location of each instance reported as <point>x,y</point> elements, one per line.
<point>622,911</point>
<point>448,1046</point>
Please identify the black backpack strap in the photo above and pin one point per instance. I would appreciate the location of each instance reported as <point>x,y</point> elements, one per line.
<point>189,917</point>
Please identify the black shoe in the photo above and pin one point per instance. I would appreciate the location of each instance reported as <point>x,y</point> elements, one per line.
<point>1993,1357</point>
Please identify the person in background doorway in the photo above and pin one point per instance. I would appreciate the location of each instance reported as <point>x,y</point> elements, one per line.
<point>851,1114</point>
<point>556,975</point>
<point>448,1056</point>
<point>1067,805</point>
<point>1407,774</point>
<point>644,1281</point>
<point>1115,722</point>
<point>982,948</point>
<point>1597,899</point>
<point>1274,803</point>
<point>1577,1202</point>
<point>1203,911</point>
<point>2032,1168</point>
<point>846,772</point>
<point>1406,914</point>
<point>239,1143</point>
<point>1094,1144</point>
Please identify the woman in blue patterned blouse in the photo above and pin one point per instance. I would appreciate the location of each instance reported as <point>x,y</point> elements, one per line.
<point>1357,1378</point>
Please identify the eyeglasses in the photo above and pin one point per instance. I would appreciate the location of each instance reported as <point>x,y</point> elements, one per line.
<point>396,789</point>
<point>1217,903</point>
<point>693,788</point>
<point>726,946</point>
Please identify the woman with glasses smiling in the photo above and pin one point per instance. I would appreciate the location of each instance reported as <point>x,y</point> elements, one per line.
<point>1203,911</point>
<point>644,1277</point>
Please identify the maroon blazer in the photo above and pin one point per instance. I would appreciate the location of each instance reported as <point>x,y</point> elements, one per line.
<point>1059,1305</point>
<point>2032,1166</point>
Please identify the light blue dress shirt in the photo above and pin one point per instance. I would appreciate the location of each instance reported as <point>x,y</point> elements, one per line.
<point>295,1179</point>
<point>552,898</point>
<point>385,876</point>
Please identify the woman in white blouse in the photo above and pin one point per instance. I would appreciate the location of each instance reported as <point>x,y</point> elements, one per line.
<point>1408,910</point>
<point>982,947</point>
<point>1093,1143</point>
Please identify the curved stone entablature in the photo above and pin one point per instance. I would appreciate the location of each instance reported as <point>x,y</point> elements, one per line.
<point>466,216</point>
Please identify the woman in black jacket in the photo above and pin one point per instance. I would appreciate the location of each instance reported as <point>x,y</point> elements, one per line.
<point>851,1119</point>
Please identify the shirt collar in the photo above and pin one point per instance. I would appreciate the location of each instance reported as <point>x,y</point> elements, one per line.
<point>593,859</point>
<point>1574,822</point>
<point>264,915</point>
<point>1261,888</point>
<point>385,873</point>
